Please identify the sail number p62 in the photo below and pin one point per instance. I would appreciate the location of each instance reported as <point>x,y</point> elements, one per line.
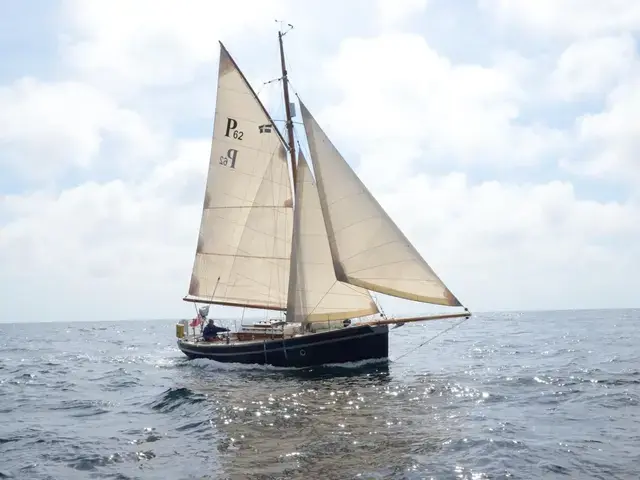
<point>231,132</point>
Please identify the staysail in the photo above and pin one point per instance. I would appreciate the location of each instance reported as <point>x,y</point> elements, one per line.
<point>367,247</point>
<point>244,245</point>
<point>315,295</point>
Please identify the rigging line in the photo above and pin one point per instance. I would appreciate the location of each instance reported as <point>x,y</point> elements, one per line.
<point>320,301</point>
<point>271,81</point>
<point>279,120</point>
<point>278,109</point>
<point>301,135</point>
<point>432,338</point>
<point>379,305</point>
<point>295,92</point>
<point>299,123</point>
<point>303,148</point>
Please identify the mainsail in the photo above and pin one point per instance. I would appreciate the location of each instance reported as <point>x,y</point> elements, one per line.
<point>367,247</point>
<point>244,245</point>
<point>315,295</point>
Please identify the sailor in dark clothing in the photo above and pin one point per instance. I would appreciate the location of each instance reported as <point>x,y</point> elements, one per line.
<point>211,331</point>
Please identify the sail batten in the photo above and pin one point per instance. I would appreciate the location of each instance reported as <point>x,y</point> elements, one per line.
<point>367,247</point>
<point>244,244</point>
<point>315,294</point>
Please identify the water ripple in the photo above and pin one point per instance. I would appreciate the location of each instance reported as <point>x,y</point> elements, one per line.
<point>523,395</point>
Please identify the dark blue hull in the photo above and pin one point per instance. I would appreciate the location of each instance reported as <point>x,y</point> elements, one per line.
<point>351,344</point>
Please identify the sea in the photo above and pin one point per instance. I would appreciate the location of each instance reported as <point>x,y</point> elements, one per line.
<point>506,395</point>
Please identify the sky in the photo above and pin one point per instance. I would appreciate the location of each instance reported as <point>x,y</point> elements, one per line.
<point>501,136</point>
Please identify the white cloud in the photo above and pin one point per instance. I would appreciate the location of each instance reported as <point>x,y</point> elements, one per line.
<point>566,18</point>
<point>109,239</point>
<point>396,90</point>
<point>46,128</point>
<point>520,244</point>
<point>589,67</point>
<point>609,141</point>
<point>158,42</point>
<point>392,12</point>
<point>596,48</point>
<point>417,112</point>
<point>77,226</point>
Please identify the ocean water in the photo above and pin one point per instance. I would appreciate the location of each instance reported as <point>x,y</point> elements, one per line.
<point>517,395</point>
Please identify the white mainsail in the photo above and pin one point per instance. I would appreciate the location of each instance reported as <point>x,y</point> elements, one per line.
<point>315,295</point>
<point>367,247</point>
<point>244,245</point>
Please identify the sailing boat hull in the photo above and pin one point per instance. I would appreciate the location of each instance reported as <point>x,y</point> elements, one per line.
<point>345,345</point>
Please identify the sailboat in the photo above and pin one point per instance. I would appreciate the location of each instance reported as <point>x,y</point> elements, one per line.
<point>312,245</point>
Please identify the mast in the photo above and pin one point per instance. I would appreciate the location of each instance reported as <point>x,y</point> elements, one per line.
<point>287,107</point>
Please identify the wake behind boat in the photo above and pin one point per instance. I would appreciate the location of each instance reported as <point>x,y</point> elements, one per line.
<point>277,237</point>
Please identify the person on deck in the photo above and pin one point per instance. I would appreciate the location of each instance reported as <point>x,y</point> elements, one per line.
<point>211,331</point>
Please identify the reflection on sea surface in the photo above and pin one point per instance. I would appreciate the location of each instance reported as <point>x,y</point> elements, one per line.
<point>327,422</point>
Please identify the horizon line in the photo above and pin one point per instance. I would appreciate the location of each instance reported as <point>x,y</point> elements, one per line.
<point>487,312</point>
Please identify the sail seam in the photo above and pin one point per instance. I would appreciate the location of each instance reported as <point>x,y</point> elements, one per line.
<point>242,256</point>
<point>355,255</point>
<point>346,197</point>
<point>252,149</point>
<point>273,207</point>
<point>386,265</point>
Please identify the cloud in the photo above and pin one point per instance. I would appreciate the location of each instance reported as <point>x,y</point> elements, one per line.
<point>397,90</point>
<point>406,110</point>
<point>392,12</point>
<point>524,244</point>
<point>49,127</point>
<point>566,19</point>
<point>109,239</point>
<point>589,67</point>
<point>467,155</point>
<point>609,141</point>
<point>158,42</point>
<point>72,230</point>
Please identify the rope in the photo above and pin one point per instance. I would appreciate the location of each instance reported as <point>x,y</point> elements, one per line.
<point>431,339</point>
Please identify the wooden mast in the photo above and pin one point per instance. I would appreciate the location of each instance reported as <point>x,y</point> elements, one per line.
<point>287,107</point>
